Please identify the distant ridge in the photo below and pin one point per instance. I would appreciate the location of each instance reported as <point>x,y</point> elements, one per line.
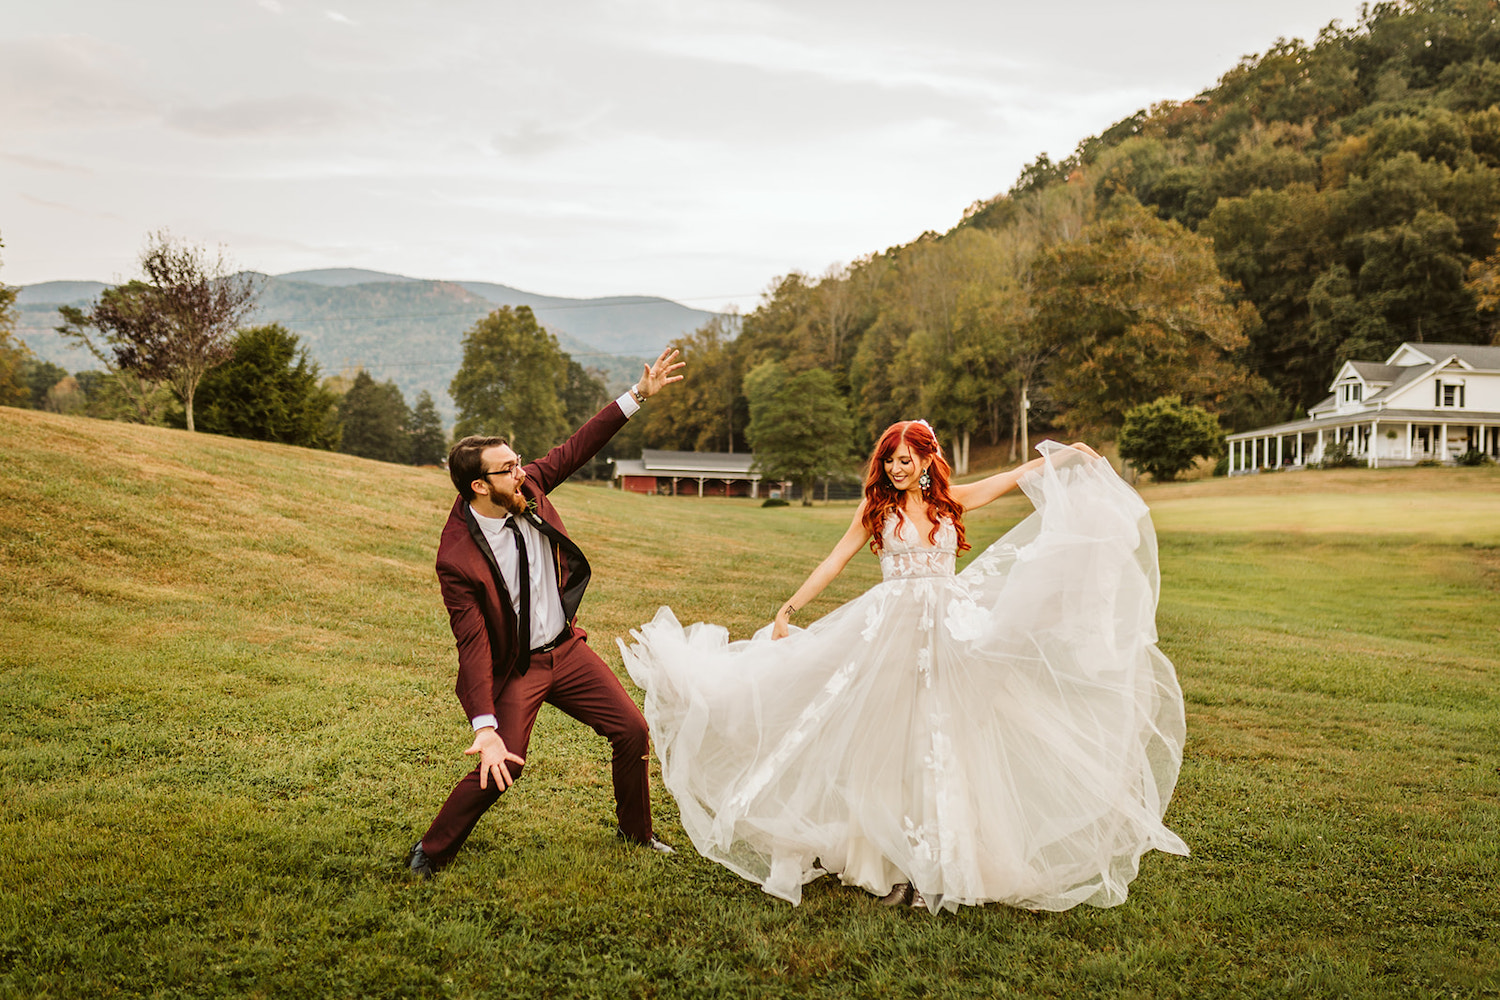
<point>408,330</point>
<point>339,277</point>
<point>59,293</point>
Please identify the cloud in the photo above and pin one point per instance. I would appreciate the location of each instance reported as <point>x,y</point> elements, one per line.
<point>261,117</point>
<point>334,15</point>
<point>60,81</point>
<point>532,138</point>
<point>41,163</point>
<point>58,206</point>
<point>271,5</point>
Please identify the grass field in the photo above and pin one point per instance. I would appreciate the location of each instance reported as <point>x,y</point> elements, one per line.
<point>228,710</point>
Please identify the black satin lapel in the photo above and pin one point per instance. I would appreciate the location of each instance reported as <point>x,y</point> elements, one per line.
<point>579,571</point>
<point>477,533</point>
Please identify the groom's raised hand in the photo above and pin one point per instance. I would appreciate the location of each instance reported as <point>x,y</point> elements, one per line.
<point>653,377</point>
<point>493,756</point>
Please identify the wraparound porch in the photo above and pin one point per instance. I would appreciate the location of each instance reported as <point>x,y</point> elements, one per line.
<point>1383,440</point>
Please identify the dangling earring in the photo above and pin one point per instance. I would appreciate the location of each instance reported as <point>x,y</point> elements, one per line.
<point>924,480</point>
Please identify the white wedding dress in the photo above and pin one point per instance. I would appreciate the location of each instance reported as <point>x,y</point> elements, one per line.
<point>1007,734</point>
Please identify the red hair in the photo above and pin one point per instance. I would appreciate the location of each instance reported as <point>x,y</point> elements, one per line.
<point>881,498</point>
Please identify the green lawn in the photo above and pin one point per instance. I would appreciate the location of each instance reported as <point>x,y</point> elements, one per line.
<point>228,710</point>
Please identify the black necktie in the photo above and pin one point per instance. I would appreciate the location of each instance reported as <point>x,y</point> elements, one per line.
<point>523,626</point>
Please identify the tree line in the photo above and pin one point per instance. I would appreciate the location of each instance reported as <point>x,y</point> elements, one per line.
<point>1322,203</point>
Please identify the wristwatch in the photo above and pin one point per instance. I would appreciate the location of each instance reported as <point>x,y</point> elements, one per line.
<point>635,394</point>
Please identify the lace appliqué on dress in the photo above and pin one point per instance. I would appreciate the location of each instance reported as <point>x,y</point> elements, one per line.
<point>904,555</point>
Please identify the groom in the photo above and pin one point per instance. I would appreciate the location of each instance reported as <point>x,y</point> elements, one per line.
<point>512,579</point>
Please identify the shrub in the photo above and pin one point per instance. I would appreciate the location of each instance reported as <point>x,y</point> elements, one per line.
<point>775,502</point>
<point>1473,457</point>
<point>1339,456</point>
<point>1164,437</point>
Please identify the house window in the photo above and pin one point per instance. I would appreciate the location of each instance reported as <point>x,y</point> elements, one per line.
<point>1449,394</point>
<point>1351,392</point>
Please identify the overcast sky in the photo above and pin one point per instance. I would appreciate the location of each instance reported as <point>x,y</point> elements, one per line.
<point>689,148</point>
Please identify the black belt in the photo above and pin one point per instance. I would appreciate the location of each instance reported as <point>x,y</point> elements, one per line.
<point>557,640</point>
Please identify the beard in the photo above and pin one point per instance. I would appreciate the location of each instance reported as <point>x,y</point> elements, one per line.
<point>515,503</point>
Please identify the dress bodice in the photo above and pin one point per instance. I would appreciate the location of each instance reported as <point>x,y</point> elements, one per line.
<point>905,552</point>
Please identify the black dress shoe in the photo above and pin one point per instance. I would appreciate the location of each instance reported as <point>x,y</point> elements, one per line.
<point>901,894</point>
<point>650,842</point>
<point>419,864</point>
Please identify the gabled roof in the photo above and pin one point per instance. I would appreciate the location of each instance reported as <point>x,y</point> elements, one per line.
<point>1409,374</point>
<point>1374,374</point>
<point>1473,355</point>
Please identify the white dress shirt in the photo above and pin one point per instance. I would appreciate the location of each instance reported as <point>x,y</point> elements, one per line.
<point>546,603</point>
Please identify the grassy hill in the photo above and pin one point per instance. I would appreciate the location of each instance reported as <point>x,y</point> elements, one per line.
<point>228,711</point>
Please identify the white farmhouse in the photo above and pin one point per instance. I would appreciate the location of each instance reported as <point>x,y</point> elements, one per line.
<point>1427,402</point>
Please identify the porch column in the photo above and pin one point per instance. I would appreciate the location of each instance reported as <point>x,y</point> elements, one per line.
<point>1443,443</point>
<point>1278,451</point>
<point>1374,461</point>
<point>1299,447</point>
<point>755,489</point>
<point>1320,444</point>
<point>1410,433</point>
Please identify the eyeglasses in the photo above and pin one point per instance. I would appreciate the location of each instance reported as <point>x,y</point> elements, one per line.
<point>514,470</point>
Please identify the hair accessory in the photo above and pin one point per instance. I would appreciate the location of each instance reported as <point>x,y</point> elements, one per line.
<point>938,444</point>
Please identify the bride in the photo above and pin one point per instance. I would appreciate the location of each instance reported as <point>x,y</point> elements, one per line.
<point>1006,734</point>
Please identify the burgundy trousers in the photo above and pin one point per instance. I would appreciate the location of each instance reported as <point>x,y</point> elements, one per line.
<point>573,678</point>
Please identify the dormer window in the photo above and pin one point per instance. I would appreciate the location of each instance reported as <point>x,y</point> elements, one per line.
<point>1350,392</point>
<point>1448,394</point>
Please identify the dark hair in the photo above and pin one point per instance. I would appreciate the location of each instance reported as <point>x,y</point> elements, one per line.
<point>465,464</point>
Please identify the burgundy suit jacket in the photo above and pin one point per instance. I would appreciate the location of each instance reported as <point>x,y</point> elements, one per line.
<point>479,609</point>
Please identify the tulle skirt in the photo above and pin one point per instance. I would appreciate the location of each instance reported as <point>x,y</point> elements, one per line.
<point>1009,734</point>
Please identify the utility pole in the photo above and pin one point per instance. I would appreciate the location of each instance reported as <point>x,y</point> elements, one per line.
<point>1025,429</point>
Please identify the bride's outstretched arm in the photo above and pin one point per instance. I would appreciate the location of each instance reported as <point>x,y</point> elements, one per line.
<point>854,539</point>
<point>971,495</point>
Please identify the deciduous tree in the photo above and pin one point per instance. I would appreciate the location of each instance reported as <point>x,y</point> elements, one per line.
<point>511,382</point>
<point>707,411</point>
<point>13,353</point>
<point>1139,310</point>
<point>800,426</point>
<point>1165,437</point>
<point>173,327</point>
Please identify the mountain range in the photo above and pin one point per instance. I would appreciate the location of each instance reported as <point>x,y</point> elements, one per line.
<point>408,330</point>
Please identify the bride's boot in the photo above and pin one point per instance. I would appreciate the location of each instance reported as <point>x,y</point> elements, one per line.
<point>900,895</point>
